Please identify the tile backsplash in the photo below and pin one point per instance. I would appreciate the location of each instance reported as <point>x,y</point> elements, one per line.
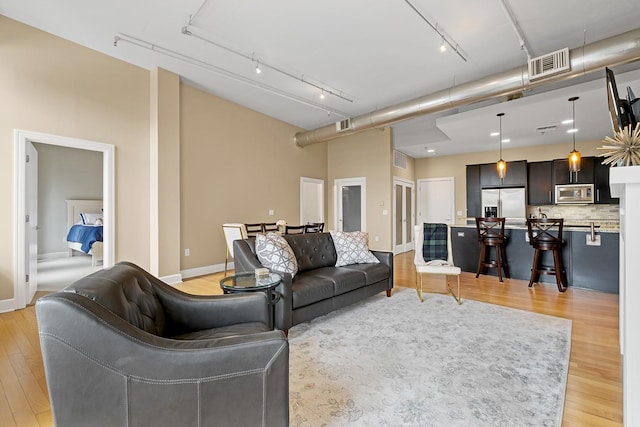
<point>605,215</point>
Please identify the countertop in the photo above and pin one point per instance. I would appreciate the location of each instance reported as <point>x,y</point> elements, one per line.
<point>600,227</point>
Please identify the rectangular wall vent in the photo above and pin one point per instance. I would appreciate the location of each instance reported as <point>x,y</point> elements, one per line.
<point>343,125</point>
<point>552,63</point>
<point>399,159</point>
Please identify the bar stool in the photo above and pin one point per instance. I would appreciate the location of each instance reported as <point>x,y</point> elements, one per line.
<point>545,234</point>
<point>491,234</point>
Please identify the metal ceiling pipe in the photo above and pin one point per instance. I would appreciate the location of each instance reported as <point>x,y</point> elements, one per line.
<point>613,51</point>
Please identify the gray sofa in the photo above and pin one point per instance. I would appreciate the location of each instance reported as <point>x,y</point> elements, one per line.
<point>122,348</point>
<point>319,287</point>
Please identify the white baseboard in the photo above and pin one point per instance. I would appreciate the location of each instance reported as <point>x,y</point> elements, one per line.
<point>53,255</point>
<point>203,271</point>
<point>174,279</point>
<point>7,305</point>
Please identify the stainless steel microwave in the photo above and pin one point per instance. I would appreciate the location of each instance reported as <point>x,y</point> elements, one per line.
<point>574,193</point>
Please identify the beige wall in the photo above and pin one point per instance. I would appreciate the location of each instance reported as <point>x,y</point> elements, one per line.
<point>455,166</point>
<point>236,165</point>
<point>366,154</point>
<point>52,86</point>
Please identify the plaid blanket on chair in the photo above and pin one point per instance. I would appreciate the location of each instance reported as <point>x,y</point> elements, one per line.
<point>434,246</point>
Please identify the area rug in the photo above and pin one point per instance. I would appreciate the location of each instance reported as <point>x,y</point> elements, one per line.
<point>397,362</point>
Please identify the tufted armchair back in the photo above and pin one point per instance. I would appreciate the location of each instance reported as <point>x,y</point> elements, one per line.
<point>128,293</point>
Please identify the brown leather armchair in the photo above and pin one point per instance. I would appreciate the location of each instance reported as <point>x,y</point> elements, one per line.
<point>120,347</point>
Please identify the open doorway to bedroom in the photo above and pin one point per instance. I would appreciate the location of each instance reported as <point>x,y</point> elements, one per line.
<point>50,172</point>
<point>69,183</point>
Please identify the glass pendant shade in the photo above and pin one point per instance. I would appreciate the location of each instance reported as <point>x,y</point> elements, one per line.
<point>574,156</point>
<point>501,166</point>
<point>574,161</point>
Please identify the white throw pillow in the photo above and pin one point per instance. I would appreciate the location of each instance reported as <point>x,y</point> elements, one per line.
<point>353,248</point>
<point>275,253</point>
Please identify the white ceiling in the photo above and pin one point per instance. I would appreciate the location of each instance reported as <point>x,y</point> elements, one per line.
<point>374,53</point>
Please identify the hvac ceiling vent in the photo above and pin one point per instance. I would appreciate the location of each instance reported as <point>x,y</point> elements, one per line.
<point>399,159</point>
<point>343,125</point>
<point>549,64</point>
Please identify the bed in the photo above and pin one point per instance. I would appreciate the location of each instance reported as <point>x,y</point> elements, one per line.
<point>84,225</point>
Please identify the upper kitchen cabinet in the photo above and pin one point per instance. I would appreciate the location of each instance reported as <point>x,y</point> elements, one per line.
<point>516,175</point>
<point>601,184</point>
<point>561,174</point>
<point>474,202</point>
<point>540,183</point>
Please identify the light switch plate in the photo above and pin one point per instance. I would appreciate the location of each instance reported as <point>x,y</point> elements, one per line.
<point>460,233</point>
<point>596,242</point>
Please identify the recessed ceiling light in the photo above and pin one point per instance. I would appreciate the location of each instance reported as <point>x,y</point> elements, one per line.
<point>494,134</point>
<point>504,141</point>
<point>567,122</point>
<point>574,130</point>
<point>431,150</point>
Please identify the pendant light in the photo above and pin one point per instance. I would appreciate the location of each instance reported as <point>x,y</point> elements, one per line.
<point>574,155</point>
<point>501,166</point>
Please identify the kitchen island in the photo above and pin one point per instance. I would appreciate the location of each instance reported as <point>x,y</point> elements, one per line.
<point>587,266</point>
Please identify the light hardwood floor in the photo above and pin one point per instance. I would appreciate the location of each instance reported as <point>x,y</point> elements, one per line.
<point>594,386</point>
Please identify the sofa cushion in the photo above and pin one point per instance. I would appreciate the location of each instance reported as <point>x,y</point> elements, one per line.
<point>344,279</point>
<point>274,252</point>
<point>373,273</point>
<point>312,250</point>
<point>224,331</point>
<point>309,288</point>
<point>352,248</point>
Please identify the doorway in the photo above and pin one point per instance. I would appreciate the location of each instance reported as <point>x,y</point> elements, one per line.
<point>311,200</point>
<point>436,202</point>
<point>350,203</point>
<point>403,215</point>
<point>24,286</point>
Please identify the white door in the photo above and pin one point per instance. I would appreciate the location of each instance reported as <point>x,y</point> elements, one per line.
<point>436,202</point>
<point>350,202</point>
<point>311,200</point>
<point>403,215</point>
<point>31,229</point>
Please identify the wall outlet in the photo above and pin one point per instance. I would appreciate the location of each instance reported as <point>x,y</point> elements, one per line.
<point>385,212</point>
<point>460,233</point>
<point>271,212</point>
<point>187,252</point>
<point>459,213</point>
<point>377,238</point>
<point>596,242</point>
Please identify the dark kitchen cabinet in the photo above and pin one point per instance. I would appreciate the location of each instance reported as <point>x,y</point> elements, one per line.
<point>516,175</point>
<point>540,183</point>
<point>561,174</point>
<point>601,183</point>
<point>489,176</point>
<point>474,201</point>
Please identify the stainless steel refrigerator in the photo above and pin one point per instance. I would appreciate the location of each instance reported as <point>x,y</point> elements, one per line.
<point>509,203</point>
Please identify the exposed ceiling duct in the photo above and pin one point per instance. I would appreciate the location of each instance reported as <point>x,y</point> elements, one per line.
<point>613,51</point>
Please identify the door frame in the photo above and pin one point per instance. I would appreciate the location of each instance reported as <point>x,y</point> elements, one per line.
<point>337,199</point>
<point>21,138</point>
<point>407,246</point>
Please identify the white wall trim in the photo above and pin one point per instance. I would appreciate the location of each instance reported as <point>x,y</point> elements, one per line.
<point>7,305</point>
<point>173,279</point>
<point>21,139</point>
<point>203,271</point>
<point>304,179</point>
<point>53,255</point>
